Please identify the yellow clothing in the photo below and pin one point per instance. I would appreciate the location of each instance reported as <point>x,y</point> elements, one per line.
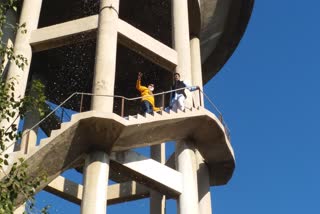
<point>146,94</point>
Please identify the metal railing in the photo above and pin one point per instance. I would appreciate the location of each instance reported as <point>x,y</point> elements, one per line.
<point>64,110</point>
<point>123,99</point>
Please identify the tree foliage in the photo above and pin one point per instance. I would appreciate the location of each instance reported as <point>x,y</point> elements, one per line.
<point>16,181</point>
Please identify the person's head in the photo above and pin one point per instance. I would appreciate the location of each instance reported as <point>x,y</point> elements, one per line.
<point>151,87</point>
<point>176,76</point>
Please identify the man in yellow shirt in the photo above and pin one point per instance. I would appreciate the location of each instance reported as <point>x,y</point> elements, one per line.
<point>147,101</point>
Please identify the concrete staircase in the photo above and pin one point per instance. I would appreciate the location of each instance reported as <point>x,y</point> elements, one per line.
<point>107,131</point>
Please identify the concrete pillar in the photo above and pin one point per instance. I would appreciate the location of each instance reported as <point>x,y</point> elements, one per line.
<point>196,69</point>
<point>203,186</point>
<point>96,174</point>
<point>157,200</point>
<point>96,170</point>
<point>202,169</point>
<point>180,40</point>
<point>186,164</point>
<point>8,37</point>
<point>29,139</point>
<point>180,31</point>
<point>185,156</point>
<point>29,136</point>
<point>30,15</point>
<point>106,51</point>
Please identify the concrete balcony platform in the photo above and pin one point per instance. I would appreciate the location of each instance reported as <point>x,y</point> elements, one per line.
<point>109,132</point>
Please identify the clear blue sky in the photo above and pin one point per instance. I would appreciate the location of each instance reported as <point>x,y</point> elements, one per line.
<point>268,93</point>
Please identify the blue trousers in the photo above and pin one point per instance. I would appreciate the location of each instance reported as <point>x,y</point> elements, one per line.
<point>146,107</point>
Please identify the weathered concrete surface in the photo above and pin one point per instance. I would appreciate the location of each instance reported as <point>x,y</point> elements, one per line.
<point>149,172</point>
<point>223,23</point>
<point>109,132</point>
<point>95,183</point>
<point>117,193</point>
<point>63,34</point>
<point>220,25</point>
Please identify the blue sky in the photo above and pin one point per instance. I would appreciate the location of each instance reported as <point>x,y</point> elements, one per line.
<point>268,93</point>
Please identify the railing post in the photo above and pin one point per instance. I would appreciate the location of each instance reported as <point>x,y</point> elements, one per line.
<point>81,100</point>
<point>162,100</point>
<point>200,98</point>
<point>61,118</point>
<point>122,107</point>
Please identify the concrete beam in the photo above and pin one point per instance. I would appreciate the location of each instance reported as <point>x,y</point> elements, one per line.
<point>171,162</point>
<point>117,193</point>
<point>149,172</point>
<point>66,189</point>
<point>147,46</point>
<point>62,34</point>
<point>85,28</point>
<point>157,200</point>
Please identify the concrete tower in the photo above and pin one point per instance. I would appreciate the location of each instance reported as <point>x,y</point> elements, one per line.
<point>98,47</point>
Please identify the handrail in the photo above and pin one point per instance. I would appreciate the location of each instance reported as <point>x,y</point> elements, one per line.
<point>106,95</point>
<point>220,114</point>
<point>128,99</point>
<point>133,98</point>
<point>213,105</point>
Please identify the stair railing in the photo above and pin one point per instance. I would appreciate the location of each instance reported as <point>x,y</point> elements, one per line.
<point>126,99</point>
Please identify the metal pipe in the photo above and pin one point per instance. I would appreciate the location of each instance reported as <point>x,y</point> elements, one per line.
<point>122,107</point>
<point>81,100</point>
<point>162,101</point>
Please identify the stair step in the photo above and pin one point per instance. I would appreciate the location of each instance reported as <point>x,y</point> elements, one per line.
<point>55,132</point>
<point>44,141</point>
<point>64,125</point>
<point>187,110</point>
<point>140,117</point>
<point>158,114</point>
<point>75,117</point>
<point>149,116</point>
<point>180,112</point>
<point>164,113</point>
<point>132,117</point>
<point>172,112</point>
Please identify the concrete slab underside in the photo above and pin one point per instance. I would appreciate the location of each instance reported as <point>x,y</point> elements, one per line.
<point>107,131</point>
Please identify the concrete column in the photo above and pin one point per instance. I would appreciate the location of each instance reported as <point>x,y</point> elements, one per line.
<point>186,164</point>
<point>96,173</point>
<point>157,200</point>
<point>196,68</point>
<point>96,170</point>
<point>180,40</point>
<point>180,31</point>
<point>202,169</point>
<point>203,186</point>
<point>30,15</point>
<point>8,36</point>
<point>185,156</point>
<point>29,136</point>
<point>106,51</point>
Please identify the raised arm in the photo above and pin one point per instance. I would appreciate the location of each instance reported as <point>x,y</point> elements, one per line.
<point>139,87</point>
<point>190,87</point>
